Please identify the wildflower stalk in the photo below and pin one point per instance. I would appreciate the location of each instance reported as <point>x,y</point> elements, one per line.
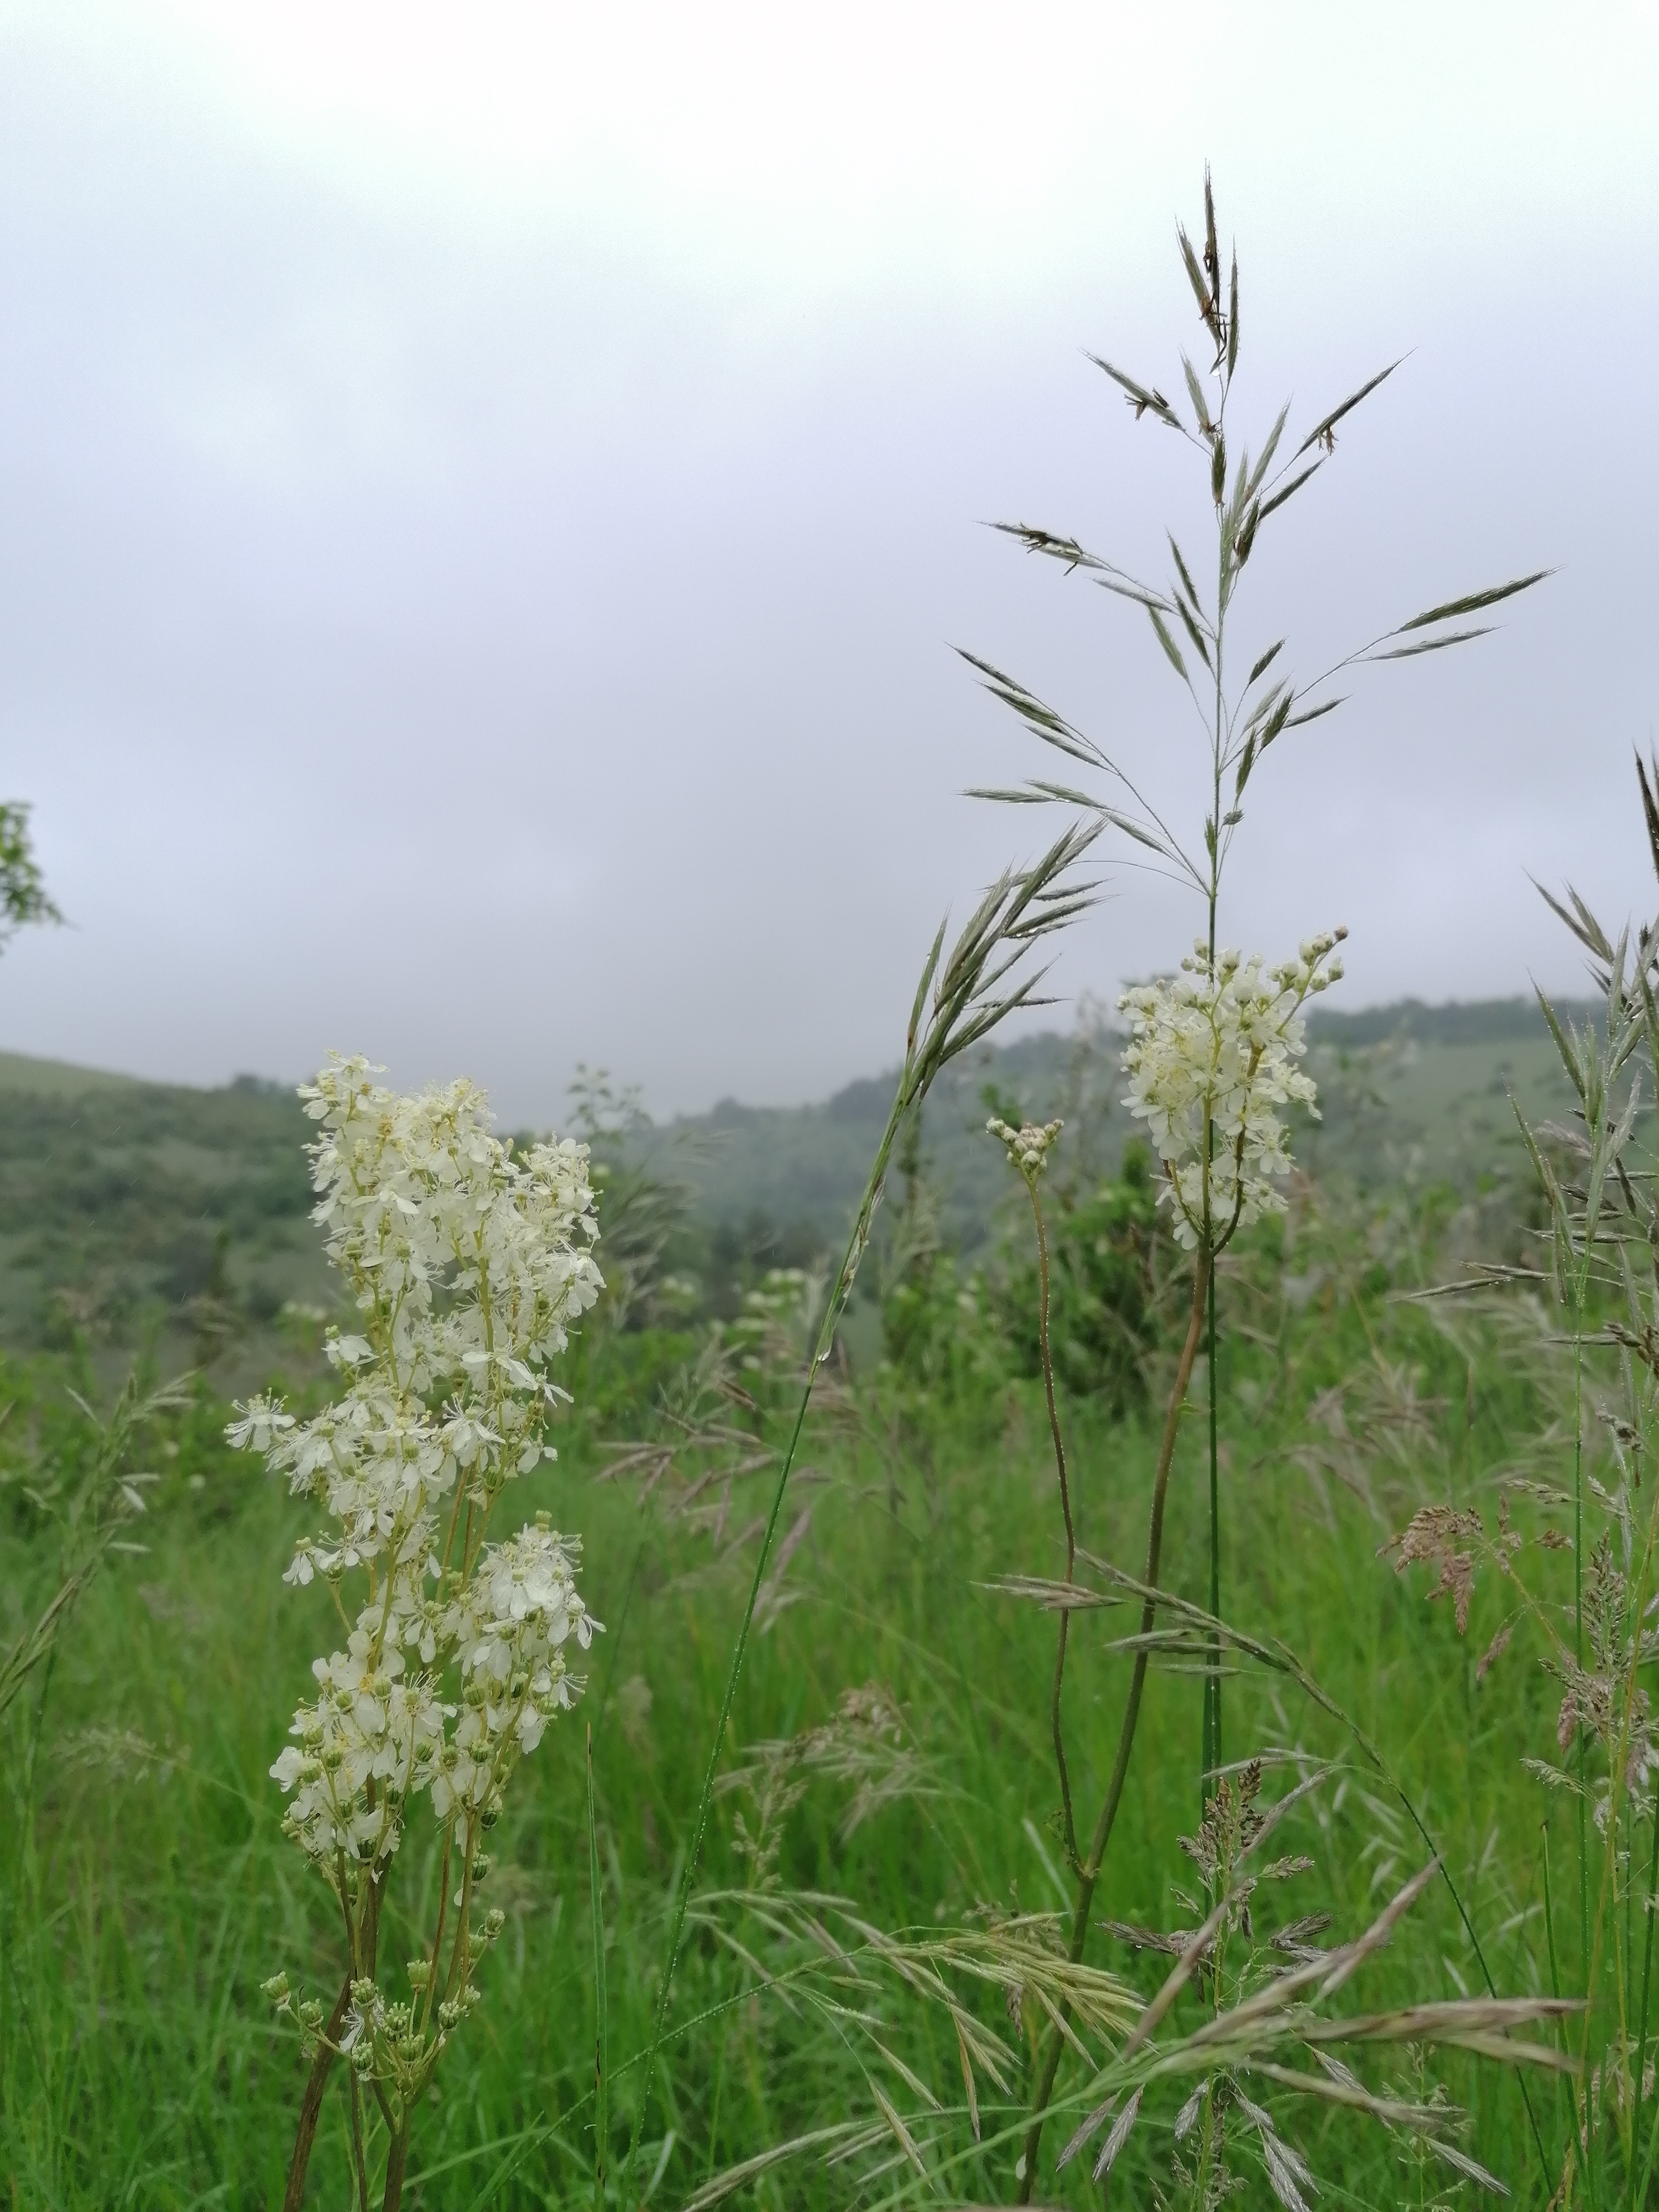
<point>467,1263</point>
<point>1214,1051</point>
<point>1089,1873</point>
<point>1056,1728</point>
<point>311,2104</point>
<point>1029,1147</point>
<point>1245,492</point>
<point>1647,1985</point>
<point>1212,1748</point>
<point>972,990</point>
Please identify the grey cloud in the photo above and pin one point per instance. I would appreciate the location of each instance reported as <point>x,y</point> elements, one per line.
<point>465,647</point>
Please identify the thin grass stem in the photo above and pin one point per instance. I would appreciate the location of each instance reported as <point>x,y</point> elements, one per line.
<point>1089,1874</point>
<point>1046,1349</point>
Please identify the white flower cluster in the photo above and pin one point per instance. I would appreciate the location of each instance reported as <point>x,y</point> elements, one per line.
<point>1216,1047</point>
<point>466,1263</point>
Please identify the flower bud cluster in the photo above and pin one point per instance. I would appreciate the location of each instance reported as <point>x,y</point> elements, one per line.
<point>1214,1050</point>
<point>1029,1145</point>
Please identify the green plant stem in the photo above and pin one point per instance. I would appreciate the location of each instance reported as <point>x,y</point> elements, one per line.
<point>1009,917</point>
<point>1579,1621</point>
<point>1066,1512</point>
<point>1211,1752</point>
<point>311,2104</point>
<point>359,2155</point>
<point>601,2078</point>
<point>1089,1873</point>
<point>1212,1681</point>
<point>396,2159</point>
<point>843,1285</point>
<point>1647,1984</point>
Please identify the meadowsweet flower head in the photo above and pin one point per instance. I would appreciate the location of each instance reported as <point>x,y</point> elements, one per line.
<point>1214,1049</point>
<point>1029,1145</point>
<point>467,1264</point>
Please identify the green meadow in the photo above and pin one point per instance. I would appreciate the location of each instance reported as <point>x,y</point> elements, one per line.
<point>887,1776</point>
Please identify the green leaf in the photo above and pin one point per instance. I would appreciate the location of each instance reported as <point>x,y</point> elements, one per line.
<point>1277,720</point>
<point>1649,807</point>
<point>1276,695</point>
<point>601,2067</point>
<point>1138,592</point>
<point>1188,585</point>
<point>1288,491</point>
<point>1073,556</point>
<point>1142,398</point>
<point>1431,644</point>
<point>1195,393</point>
<point>1194,273</point>
<point>1193,632</point>
<point>1065,795</point>
<point>1475,601</point>
<point>1169,644</point>
<point>1132,828</point>
<point>1267,452</point>
<point>1327,423</point>
<point>1313,714</point>
<point>1265,663</point>
<point>1051,727</point>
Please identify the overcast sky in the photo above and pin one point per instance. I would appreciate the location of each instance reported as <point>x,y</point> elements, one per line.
<point>490,495</point>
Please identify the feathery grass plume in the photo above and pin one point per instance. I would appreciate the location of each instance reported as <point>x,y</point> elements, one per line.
<point>1596,1175</point>
<point>1211,1057</point>
<point>1194,625</point>
<point>1265,2047</point>
<point>962,996</point>
<point>93,1516</point>
<point>467,1265</point>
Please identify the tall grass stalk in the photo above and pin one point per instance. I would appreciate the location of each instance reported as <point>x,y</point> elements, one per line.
<point>960,998</point>
<point>1087,1872</point>
<point>1241,722</point>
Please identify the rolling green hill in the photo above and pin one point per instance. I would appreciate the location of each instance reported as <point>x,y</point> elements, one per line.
<point>1409,1093</point>
<point>133,1211</point>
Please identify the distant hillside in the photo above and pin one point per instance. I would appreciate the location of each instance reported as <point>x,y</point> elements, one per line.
<point>131,1211</point>
<point>137,1211</point>
<point>1480,1021</point>
<point>1409,1092</point>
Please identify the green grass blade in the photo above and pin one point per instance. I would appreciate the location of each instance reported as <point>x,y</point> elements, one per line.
<point>601,2056</point>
